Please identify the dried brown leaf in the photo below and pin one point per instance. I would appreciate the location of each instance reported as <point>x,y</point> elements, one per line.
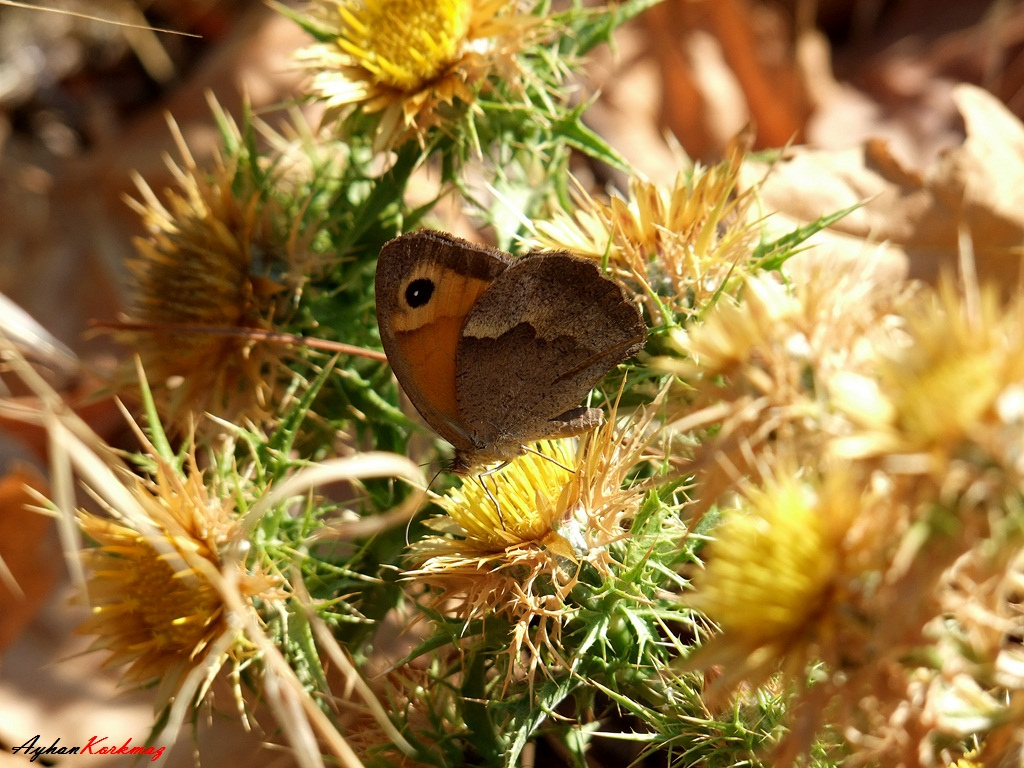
<point>28,551</point>
<point>913,216</point>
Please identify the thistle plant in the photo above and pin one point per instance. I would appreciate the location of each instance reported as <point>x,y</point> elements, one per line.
<point>795,539</point>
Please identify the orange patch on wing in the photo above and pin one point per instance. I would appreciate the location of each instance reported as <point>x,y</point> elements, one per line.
<point>428,337</point>
<point>429,352</point>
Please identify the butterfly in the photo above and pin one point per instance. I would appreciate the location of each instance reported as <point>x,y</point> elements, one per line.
<point>497,352</point>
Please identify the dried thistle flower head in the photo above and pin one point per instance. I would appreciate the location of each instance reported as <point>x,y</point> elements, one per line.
<point>978,651</point>
<point>680,242</point>
<point>739,334</point>
<point>157,572</point>
<point>425,705</point>
<point>981,593</point>
<point>221,257</point>
<point>756,366</point>
<point>414,64</point>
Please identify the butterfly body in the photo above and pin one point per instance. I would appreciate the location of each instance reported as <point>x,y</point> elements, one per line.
<point>497,352</point>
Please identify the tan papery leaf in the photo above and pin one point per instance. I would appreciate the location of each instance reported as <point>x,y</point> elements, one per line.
<point>912,218</point>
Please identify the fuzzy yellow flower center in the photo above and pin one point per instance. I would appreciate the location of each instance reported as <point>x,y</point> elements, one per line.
<point>941,403</point>
<point>521,503</point>
<point>405,43</point>
<point>173,610</point>
<point>768,567</point>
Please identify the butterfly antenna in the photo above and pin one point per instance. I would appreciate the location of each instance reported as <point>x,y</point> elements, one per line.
<point>426,492</point>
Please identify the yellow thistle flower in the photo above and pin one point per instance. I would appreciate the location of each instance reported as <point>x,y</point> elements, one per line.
<point>837,572</point>
<point>525,505</point>
<point>952,380</point>
<point>769,565</point>
<point>219,257</point>
<point>410,61</point>
<point>772,580</point>
<point>156,578</point>
<point>520,506</point>
<point>682,241</point>
<point>949,375</point>
<point>514,550</point>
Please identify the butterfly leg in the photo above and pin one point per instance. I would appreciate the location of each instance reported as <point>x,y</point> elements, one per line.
<point>552,459</point>
<point>490,494</point>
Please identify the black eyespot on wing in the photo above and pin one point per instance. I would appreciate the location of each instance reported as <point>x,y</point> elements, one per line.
<point>419,292</point>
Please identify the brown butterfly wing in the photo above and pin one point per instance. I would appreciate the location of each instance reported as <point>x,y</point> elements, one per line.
<point>535,343</point>
<point>427,283</point>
